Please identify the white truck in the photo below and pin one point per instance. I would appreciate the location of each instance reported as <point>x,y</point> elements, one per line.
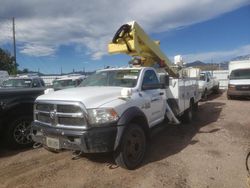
<point>114,109</point>
<point>239,79</point>
<point>208,84</point>
<point>68,81</point>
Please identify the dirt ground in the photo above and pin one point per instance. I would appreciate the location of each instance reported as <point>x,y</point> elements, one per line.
<point>208,153</point>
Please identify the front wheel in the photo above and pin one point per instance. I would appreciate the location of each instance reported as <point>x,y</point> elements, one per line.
<point>205,95</point>
<point>18,132</point>
<point>132,149</point>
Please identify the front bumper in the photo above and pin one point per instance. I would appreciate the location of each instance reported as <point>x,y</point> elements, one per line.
<point>95,140</point>
<point>238,93</point>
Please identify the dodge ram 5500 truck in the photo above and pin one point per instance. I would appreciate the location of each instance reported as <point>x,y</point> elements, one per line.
<point>114,109</point>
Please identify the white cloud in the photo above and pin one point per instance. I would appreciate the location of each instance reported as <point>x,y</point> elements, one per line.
<point>37,50</point>
<point>90,25</point>
<point>217,56</point>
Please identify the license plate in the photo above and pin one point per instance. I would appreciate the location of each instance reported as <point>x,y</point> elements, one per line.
<point>53,143</point>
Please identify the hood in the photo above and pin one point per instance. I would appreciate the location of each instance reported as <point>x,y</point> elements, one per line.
<point>240,82</point>
<point>91,97</point>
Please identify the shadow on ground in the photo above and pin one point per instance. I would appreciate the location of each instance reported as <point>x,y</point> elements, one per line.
<point>216,95</point>
<point>174,139</point>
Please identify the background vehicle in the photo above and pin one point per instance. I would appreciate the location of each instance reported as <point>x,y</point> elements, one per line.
<point>16,115</point>
<point>117,107</point>
<point>3,76</point>
<point>239,79</point>
<point>23,82</point>
<point>208,84</point>
<point>69,81</point>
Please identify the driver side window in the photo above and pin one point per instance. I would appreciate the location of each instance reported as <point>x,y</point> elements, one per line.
<point>150,78</point>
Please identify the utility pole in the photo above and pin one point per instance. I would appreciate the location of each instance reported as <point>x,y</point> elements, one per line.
<point>14,43</point>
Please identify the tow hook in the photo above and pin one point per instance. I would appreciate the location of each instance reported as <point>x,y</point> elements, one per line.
<point>37,145</point>
<point>76,155</point>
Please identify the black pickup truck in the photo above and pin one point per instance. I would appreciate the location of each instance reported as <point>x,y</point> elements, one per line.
<point>16,115</point>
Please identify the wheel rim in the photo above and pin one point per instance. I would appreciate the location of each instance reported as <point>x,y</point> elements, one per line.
<point>21,133</point>
<point>135,146</point>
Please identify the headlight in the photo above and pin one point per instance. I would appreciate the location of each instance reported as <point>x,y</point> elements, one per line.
<point>102,116</point>
<point>231,87</point>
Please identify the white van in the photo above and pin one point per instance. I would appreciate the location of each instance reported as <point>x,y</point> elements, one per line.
<point>239,79</point>
<point>3,76</point>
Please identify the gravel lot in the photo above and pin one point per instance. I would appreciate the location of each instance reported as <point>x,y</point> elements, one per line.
<point>208,153</point>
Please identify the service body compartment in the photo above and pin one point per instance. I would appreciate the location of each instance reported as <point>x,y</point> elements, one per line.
<point>180,92</point>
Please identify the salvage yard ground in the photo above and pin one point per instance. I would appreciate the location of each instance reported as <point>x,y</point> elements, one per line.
<point>208,153</point>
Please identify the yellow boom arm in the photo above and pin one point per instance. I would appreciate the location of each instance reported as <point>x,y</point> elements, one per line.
<point>132,40</point>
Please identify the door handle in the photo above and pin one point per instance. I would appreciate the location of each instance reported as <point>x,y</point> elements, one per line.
<point>161,93</point>
<point>155,99</point>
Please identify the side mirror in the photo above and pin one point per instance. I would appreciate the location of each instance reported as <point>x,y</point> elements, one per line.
<point>164,79</point>
<point>208,79</point>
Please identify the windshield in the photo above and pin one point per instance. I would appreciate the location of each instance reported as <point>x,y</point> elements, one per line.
<point>57,84</point>
<point>240,74</point>
<point>119,78</point>
<point>202,77</point>
<point>23,83</point>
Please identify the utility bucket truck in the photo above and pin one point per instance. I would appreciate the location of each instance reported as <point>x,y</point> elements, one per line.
<point>114,109</point>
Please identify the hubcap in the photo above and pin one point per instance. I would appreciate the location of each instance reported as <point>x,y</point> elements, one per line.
<point>135,146</point>
<point>22,133</point>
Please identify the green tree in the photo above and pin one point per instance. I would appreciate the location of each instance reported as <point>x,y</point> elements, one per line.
<point>7,62</point>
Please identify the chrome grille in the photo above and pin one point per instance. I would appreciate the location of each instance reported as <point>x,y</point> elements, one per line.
<point>243,87</point>
<point>60,114</point>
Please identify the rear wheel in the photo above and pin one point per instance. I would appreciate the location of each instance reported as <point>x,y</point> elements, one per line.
<point>132,149</point>
<point>18,132</point>
<point>188,114</point>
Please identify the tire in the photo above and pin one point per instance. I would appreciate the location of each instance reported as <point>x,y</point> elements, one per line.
<point>205,95</point>
<point>18,132</point>
<point>216,89</point>
<point>188,114</point>
<point>196,107</point>
<point>132,148</point>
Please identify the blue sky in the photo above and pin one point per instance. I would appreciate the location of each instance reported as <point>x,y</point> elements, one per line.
<point>69,41</point>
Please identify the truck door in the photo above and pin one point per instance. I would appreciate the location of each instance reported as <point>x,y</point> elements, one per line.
<point>153,99</point>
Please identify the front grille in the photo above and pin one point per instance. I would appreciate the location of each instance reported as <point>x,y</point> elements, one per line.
<point>243,87</point>
<point>63,114</point>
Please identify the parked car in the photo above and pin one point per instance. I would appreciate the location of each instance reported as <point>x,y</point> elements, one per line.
<point>239,79</point>
<point>4,75</point>
<point>208,84</point>
<point>16,115</point>
<point>68,82</point>
<point>23,82</point>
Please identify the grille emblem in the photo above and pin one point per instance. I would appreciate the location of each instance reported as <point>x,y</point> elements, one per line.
<point>53,115</point>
